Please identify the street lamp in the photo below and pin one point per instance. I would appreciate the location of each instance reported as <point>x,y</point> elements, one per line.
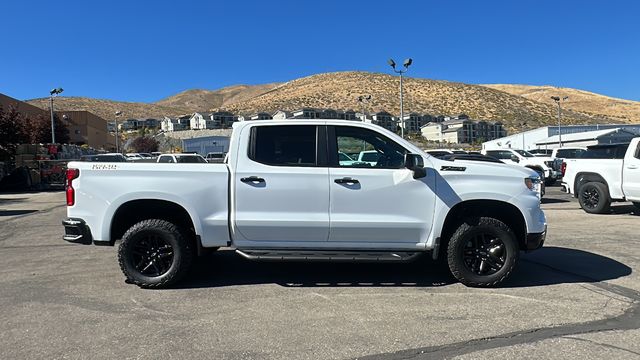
<point>364,99</point>
<point>118,113</point>
<point>53,93</point>
<point>406,65</point>
<point>557,99</point>
<point>522,127</point>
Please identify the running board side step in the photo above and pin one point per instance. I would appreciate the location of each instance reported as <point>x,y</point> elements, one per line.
<point>327,255</point>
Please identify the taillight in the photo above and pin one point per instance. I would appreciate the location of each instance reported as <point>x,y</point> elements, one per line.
<point>71,193</point>
<point>563,168</point>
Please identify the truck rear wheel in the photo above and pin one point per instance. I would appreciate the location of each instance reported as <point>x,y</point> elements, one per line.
<point>482,252</point>
<point>154,254</point>
<point>594,198</point>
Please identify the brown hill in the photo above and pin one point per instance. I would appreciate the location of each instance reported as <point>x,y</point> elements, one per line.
<point>340,91</point>
<point>199,100</point>
<point>579,100</point>
<point>106,109</point>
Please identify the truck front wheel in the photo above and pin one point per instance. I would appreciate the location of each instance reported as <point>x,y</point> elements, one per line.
<point>594,198</point>
<point>482,252</point>
<point>154,254</point>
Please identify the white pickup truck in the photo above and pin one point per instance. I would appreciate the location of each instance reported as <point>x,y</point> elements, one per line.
<point>284,195</point>
<point>606,176</point>
<point>547,167</point>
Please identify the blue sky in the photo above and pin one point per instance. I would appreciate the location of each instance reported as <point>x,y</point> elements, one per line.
<point>147,50</point>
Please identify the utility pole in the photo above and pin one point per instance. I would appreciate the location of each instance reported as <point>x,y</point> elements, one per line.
<point>406,65</point>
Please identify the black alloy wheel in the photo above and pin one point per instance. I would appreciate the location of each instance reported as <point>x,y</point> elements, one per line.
<point>484,254</point>
<point>155,253</point>
<point>151,254</point>
<point>594,198</point>
<point>590,197</point>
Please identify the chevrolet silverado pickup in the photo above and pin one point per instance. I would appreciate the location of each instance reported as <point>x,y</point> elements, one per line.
<point>610,175</point>
<point>284,194</point>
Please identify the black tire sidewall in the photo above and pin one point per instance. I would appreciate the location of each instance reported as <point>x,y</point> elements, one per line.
<point>459,240</point>
<point>603,197</point>
<point>172,236</point>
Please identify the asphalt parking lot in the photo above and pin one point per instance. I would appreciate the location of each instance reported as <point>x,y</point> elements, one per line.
<point>578,297</point>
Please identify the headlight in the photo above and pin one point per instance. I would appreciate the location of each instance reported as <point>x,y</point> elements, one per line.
<point>532,183</point>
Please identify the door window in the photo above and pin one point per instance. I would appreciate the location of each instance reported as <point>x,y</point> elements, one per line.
<point>288,145</point>
<point>366,149</point>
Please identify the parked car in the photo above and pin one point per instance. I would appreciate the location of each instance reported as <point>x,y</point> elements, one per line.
<point>604,174</point>
<point>548,168</point>
<point>215,157</point>
<point>541,152</point>
<point>444,152</point>
<point>470,157</point>
<point>283,195</point>
<point>111,157</point>
<point>181,158</point>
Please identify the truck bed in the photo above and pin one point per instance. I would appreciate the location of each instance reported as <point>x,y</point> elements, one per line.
<point>202,189</point>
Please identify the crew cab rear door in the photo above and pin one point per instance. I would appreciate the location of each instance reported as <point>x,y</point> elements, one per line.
<point>281,186</point>
<point>375,201</point>
<point>631,172</point>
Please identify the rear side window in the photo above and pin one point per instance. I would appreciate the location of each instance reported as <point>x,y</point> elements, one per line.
<point>287,145</point>
<point>503,155</point>
<point>191,159</point>
<point>569,153</point>
<point>165,159</point>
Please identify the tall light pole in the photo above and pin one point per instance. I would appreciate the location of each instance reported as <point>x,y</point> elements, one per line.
<point>364,99</point>
<point>406,65</point>
<point>557,99</point>
<point>523,124</point>
<point>118,113</point>
<point>53,93</point>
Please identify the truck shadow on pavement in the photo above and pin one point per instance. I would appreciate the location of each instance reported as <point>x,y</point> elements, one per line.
<point>15,212</point>
<point>547,266</point>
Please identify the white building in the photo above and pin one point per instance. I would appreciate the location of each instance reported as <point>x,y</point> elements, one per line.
<point>462,131</point>
<point>528,140</point>
<point>588,138</point>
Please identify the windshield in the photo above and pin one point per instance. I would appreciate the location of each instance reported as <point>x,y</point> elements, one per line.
<point>524,153</point>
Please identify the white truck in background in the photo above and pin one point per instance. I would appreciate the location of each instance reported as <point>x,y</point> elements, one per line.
<point>547,167</point>
<point>284,194</point>
<point>597,182</point>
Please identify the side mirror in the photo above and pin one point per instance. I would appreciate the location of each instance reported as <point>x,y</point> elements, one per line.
<point>415,163</point>
<point>515,158</point>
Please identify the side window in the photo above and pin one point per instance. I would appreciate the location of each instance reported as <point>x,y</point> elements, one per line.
<point>637,154</point>
<point>359,147</point>
<point>164,159</point>
<point>287,145</point>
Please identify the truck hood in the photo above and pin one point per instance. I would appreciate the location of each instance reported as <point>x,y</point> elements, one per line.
<point>482,168</point>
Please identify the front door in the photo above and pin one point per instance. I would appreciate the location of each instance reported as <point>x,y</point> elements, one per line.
<point>631,174</point>
<point>281,192</point>
<point>374,198</point>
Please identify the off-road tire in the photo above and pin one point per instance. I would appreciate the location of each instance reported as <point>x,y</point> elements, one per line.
<point>169,234</point>
<point>462,237</point>
<point>603,203</point>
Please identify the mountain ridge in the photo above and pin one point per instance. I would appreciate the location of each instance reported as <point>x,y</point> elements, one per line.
<point>517,106</point>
